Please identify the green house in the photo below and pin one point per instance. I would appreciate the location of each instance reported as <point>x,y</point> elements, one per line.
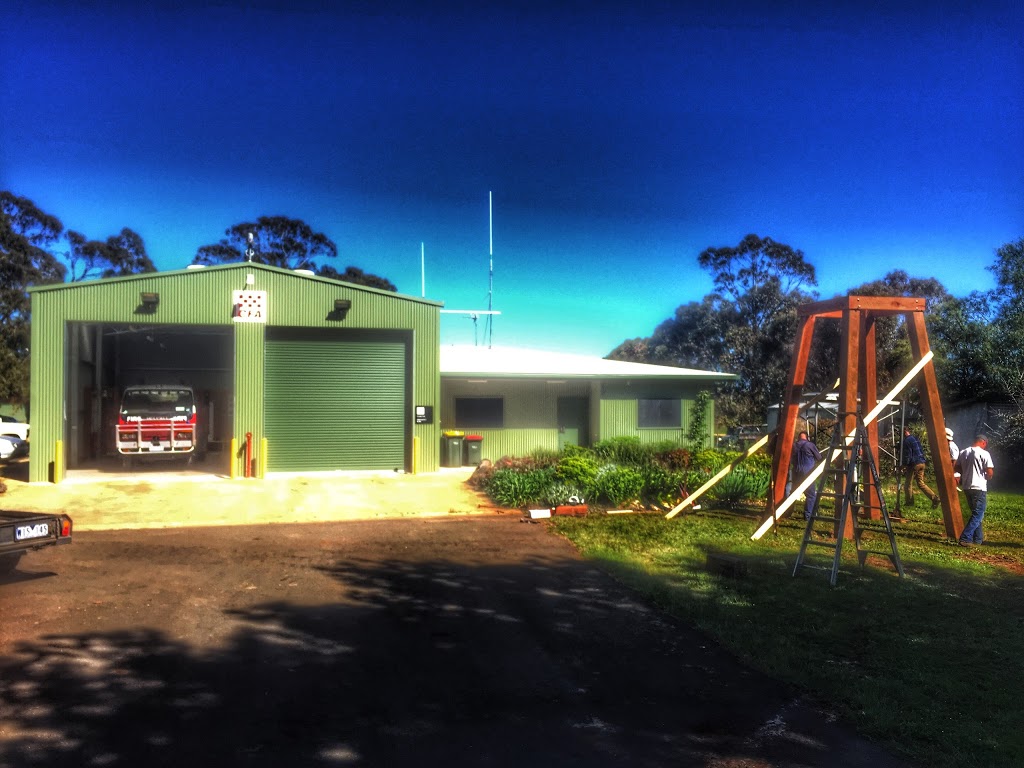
<point>518,400</point>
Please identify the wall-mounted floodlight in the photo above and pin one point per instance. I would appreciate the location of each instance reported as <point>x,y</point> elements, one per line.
<point>341,308</point>
<point>149,300</point>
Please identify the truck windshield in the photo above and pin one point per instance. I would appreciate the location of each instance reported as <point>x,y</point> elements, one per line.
<point>158,402</point>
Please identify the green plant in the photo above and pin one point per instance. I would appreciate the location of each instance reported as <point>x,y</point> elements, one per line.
<point>579,469</point>
<point>698,432</point>
<point>674,458</point>
<point>740,485</point>
<point>660,485</point>
<point>708,461</point>
<point>560,493</point>
<point>620,485</point>
<point>622,450</point>
<point>545,457</point>
<point>512,488</point>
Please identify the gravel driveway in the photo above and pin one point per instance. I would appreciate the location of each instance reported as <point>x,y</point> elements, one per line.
<point>481,641</point>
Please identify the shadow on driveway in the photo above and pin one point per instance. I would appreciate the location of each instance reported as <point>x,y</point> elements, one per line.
<point>439,661</point>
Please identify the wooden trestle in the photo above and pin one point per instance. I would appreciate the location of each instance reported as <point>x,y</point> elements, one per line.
<point>858,387</point>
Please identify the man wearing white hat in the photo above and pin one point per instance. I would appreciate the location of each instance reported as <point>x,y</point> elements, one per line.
<point>954,452</point>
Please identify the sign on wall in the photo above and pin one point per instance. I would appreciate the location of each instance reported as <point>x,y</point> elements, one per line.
<point>249,307</point>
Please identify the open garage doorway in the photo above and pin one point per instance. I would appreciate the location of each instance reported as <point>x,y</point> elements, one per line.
<point>103,359</point>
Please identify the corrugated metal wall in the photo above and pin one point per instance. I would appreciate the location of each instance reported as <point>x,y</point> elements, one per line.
<point>248,413</point>
<point>619,409</point>
<point>204,297</point>
<point>530,408</point>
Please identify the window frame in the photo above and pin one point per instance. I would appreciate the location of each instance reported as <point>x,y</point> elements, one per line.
<point>478,417</point>
<point>674,409</point>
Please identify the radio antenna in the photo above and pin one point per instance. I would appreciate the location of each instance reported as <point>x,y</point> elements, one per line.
<point>490,272</point>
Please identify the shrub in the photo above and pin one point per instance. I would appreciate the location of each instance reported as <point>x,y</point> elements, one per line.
<point>544,457</point>
<point>708,461</point>
<point>579,469</point>
<point>674,459</point>
<point>513,488</point>
<point>620,484</point>
<point>660,485</point>
<point>622,450</point>
<point>741,485</point>
<point>518,463</point>
<point>560,493</point>
<point>760,462</point>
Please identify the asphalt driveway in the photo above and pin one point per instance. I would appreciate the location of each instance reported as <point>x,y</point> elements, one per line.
<point>481,641</point>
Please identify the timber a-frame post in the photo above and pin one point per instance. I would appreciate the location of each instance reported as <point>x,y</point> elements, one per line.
<point>859,386</point>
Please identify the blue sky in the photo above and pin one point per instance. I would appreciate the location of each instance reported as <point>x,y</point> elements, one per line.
<point>618,142</point>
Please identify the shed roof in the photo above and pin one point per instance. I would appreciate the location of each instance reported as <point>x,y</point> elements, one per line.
<point>247,266</point>
<point>509,362</point>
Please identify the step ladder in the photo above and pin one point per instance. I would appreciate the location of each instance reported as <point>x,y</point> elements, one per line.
<point>849,477</point>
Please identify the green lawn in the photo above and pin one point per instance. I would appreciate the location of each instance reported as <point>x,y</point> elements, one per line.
<point>929,665</point>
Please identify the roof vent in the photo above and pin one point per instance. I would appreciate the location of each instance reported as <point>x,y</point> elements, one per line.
<point>307,272</point>
<point>196,266</point>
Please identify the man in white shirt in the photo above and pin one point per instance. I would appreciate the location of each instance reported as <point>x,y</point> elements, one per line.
<point>975,466</point>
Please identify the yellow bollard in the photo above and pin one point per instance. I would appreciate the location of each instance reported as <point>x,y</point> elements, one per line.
<point>415,455</point>
<point>264,450</point>
<point>233,455</point>
<point>58,462</point>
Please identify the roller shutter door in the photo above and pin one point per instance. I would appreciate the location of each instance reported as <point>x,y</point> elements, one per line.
<point>335,405</point>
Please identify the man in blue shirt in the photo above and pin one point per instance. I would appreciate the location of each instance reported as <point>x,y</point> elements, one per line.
<point>913,469</point>
<point>806,457</point>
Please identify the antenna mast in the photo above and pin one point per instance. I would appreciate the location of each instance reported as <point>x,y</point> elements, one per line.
<point>490,273</point>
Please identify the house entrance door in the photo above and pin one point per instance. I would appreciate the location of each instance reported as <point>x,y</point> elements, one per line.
<point>573,421</point>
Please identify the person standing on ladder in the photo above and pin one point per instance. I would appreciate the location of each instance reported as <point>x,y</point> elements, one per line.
<point>975,465</point>
<point>806,457</point>
<point>913,468</point>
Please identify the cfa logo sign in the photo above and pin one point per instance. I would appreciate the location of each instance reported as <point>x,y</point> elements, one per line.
<point>31,531</point>
<point>249,307</point>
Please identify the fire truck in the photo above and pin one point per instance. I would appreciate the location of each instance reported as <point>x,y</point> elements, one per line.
<point>157,421</point>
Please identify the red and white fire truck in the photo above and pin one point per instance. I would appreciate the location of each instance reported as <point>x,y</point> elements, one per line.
<point>157,420</point>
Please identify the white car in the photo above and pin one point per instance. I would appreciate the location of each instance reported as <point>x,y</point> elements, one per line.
<point>12,447</point>
<point>11,427</point>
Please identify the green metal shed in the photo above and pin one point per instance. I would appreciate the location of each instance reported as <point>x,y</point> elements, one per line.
<point>312,373</point>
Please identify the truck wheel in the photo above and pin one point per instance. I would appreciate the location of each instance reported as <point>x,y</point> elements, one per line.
<point>9,562</point>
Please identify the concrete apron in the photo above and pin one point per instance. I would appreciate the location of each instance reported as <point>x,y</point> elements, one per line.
<point>183,499</point>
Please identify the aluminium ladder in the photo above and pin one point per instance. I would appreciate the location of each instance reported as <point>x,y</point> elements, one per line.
<point>852,480</point>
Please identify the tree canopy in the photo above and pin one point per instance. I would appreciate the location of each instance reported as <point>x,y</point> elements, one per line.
<point>120,254</point>
<point>26,232</point>
<point>357,276</point>
<point>746,326</point>
<point>279,241</point>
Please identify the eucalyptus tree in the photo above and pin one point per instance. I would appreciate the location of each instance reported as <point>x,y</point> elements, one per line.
<point>120,254</point>
<point>280,241</point>
<point>26,234</point>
